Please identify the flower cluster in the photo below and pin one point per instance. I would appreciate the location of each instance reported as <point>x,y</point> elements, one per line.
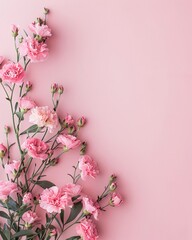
<point>40,146</point>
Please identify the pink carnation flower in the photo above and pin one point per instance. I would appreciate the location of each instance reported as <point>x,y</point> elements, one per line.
<point>44,117</point>
<point>88,167</point>
<point>29,218</point>
<point>7,188</point>
<point>12,72</point>
<point>12,168</point>
<point>27,198</point>
<point>25,103</point>
<point>68,141</point>
<point>35,51</point>
<point>36,148</point>
<point>90,207</point>
<point>87,230</point>
<point>72,189</point>
<point>54,199</point>
<point>41,30</point>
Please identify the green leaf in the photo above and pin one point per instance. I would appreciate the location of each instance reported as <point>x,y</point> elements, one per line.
<point>45,184</point>
<point>4,215</point>
<point>12,205</point>
<point>74,238</point>
<point>32,129</point>
<point>62,216</point>
<point>76,209</point>
<point>24,233</point>
<point>3,235</point>
<point>16,105</point>
<point>20,115</point>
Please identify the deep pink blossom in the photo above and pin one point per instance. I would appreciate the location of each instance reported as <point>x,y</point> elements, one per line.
<point>36,148</point>
<point>12,72</point>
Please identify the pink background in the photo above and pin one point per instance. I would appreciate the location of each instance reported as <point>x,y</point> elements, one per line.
<point>127,66</point>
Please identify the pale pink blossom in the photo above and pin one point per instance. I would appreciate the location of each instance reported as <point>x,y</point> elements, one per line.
<point>1,59</point>
<point>68,141</point>
<point>29,217</point>
<point>3,150</point>
<point>36,148</point>
<point>25,103</point>
<point>72,189</point>
<point>116,199</point>
<point>35,51</point>
<point>44,117</point>
<point>87,230</point>
<point>90,207</point>
<point>88,167</point>
<point>12,168</point>
<point>54,200</point>
<point>7,188</point>
<point>12,72</point>
<point>69,120</point>
<point>40,29</point>
<point>27,198</point>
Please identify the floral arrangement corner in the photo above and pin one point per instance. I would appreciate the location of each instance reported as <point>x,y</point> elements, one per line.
<point>41,146</point>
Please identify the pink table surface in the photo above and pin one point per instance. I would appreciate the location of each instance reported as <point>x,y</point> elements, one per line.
<point>127,66</point>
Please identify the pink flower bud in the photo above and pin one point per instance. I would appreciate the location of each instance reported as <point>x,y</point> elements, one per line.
<point>81,121</point>
<point>28,86</point>
<point>7,129</point>
<point>54,88</point>
<point>113,178</point>
<point>46,11</point>
<point>69,120</point>
<point>15,30</point>
<point>3,150</point>
<point>53,232</point>
<point>113,186</point>
<point>29,218</point>
<point>60,89</point>
<point>115,200</point>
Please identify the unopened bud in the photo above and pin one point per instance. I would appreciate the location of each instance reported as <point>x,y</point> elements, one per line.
<point>60,89</point>
<point>113,178</point>
<point>71,129</point>
<point>46,11</point>
<point>15,30</point>
<point>7,129</point>
<point>53,232</point>
<point>54,88</point>
<point>81,121</point>
<point>3,150</point>
<point>28,86</point>
<point>113,186</point>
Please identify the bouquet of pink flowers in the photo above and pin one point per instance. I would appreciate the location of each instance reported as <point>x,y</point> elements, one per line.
<point>40,146</point>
